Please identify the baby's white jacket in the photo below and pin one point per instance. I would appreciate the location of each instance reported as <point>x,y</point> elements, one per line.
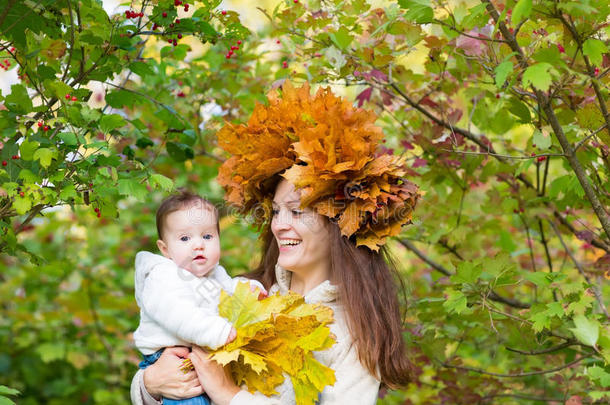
<point>178,308</point>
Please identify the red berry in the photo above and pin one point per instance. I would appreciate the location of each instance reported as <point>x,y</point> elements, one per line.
<point>186,7</point>
<point>497,96</point>
<point>164,14</point>
<point>46,128</point>
<point>277,41</point>
<point>533,154</point>
<point>596,72</point>
<point>533,145</point>
<point>541,158</point>
<point>15,157</point>
<point>238,42</point>
<point>67,97</point>
<point>39,124</point>
<point>230,53</point>
<point>90,184</point>
<point>96,209</point>
<point>175,42</point>
<point>169,41</point>
<point>171,25</point>
<point>181,94</point>
<point>12,49</point>
<point>228,56</point>
<point>179,36</point>
<point>561,48</point>
<point>74,98</point>
<point>296,1</point>
<point>177,21</point>
<point>154,27</point>
<point>224,12</point>
<point>4,163</point>
<point>285,64</point>
<point>177,3</point>
<point>141,14</point>
<point>22,194</point>
<point>99,215</point>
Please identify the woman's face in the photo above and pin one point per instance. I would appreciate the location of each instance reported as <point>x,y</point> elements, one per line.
<point>302,235</point>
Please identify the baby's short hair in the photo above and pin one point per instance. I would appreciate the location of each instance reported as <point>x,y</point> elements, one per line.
<point>183,199</point>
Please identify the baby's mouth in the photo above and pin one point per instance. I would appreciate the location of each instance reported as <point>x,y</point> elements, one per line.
<point>199,257</point>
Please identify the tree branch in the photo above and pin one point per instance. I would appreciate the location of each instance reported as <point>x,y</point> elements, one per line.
<point>481,371</point>
<point>546,106</point>
<point>544,351</point>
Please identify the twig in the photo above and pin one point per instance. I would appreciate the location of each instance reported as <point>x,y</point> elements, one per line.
<point>592,134</point>
<point>480,371</point>
<point>544,351</point>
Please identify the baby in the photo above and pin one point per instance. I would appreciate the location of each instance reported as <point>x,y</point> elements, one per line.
<point>178,293</point>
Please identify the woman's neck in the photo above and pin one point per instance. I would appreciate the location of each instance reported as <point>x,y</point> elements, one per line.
<point>304,282</point>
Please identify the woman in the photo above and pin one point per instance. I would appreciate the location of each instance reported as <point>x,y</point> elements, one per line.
<point>333,204</point>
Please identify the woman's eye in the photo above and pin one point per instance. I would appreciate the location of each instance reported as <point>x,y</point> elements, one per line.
<point>274,212</point>
<point>297,212</point>
<point>184,238</point>
<point>207,236</point>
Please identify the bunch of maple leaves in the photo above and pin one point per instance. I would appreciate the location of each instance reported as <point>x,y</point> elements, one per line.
<point>329,150</point>
<point>276,338</point>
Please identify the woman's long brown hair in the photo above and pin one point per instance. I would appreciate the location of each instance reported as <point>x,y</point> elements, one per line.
<point>368,294</point>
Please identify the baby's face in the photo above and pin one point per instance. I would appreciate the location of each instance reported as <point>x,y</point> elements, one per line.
<point>191,239</point>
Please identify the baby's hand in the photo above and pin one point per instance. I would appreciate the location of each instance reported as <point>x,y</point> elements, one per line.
<point>232,336</point>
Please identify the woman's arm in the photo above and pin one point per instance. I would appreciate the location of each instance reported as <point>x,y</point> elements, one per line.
<point>219,385</point>
<point>165,379</point>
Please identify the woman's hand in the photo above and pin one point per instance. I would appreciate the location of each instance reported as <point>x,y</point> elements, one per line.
<point>165,379</point>
<point>215,379</point>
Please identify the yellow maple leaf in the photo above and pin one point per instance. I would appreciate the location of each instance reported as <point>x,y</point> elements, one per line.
<point>276,336</point>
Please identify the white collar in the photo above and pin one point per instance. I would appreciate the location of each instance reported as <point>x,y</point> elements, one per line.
<point>322,293</point>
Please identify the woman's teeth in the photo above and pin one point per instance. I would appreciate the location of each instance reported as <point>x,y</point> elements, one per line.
<point>289,242</point>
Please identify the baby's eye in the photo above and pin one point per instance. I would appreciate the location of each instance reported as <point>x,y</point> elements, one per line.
<point>208,236</point>
<point>184,238</point>
<point>297,212</point>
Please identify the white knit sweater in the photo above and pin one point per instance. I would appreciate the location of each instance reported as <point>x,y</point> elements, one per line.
<point>178,308</point>
<point>354,385</point>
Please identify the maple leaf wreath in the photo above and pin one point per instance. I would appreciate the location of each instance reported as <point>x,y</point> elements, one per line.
<point>327,149</point>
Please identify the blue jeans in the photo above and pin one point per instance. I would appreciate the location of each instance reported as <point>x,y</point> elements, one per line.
<point>200,400</point>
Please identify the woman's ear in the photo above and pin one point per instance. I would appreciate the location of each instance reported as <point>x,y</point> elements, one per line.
<point>163,248</point>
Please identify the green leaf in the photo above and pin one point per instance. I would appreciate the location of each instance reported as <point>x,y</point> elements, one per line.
<point>342,38</point>
<point>522,10</point>
<point>540,321</point>
<point>141,69</point>
<point>121,98</point>
<point>110,122</point>
<point>45,156</point>
<point>22,205</point>
<point>18,100</point>
<point>49,352</point>
<point>538,76</point>
<point>541,139</point>
<point>68,138</point>
<point>456,302</point>
<point>166,184</point>
<point>502,72</point>
<point>520,110</point>
<point>467,272</point>
<point>27,149</point>
<point>418,11</point>
<point>4,390</point>
<point>132,187</point>
<point>594,49</point>
<point>598,373</point>
<point>586,330</point>
<point>6,401</point>
<point>539,278</point>
<point>179,151</point>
